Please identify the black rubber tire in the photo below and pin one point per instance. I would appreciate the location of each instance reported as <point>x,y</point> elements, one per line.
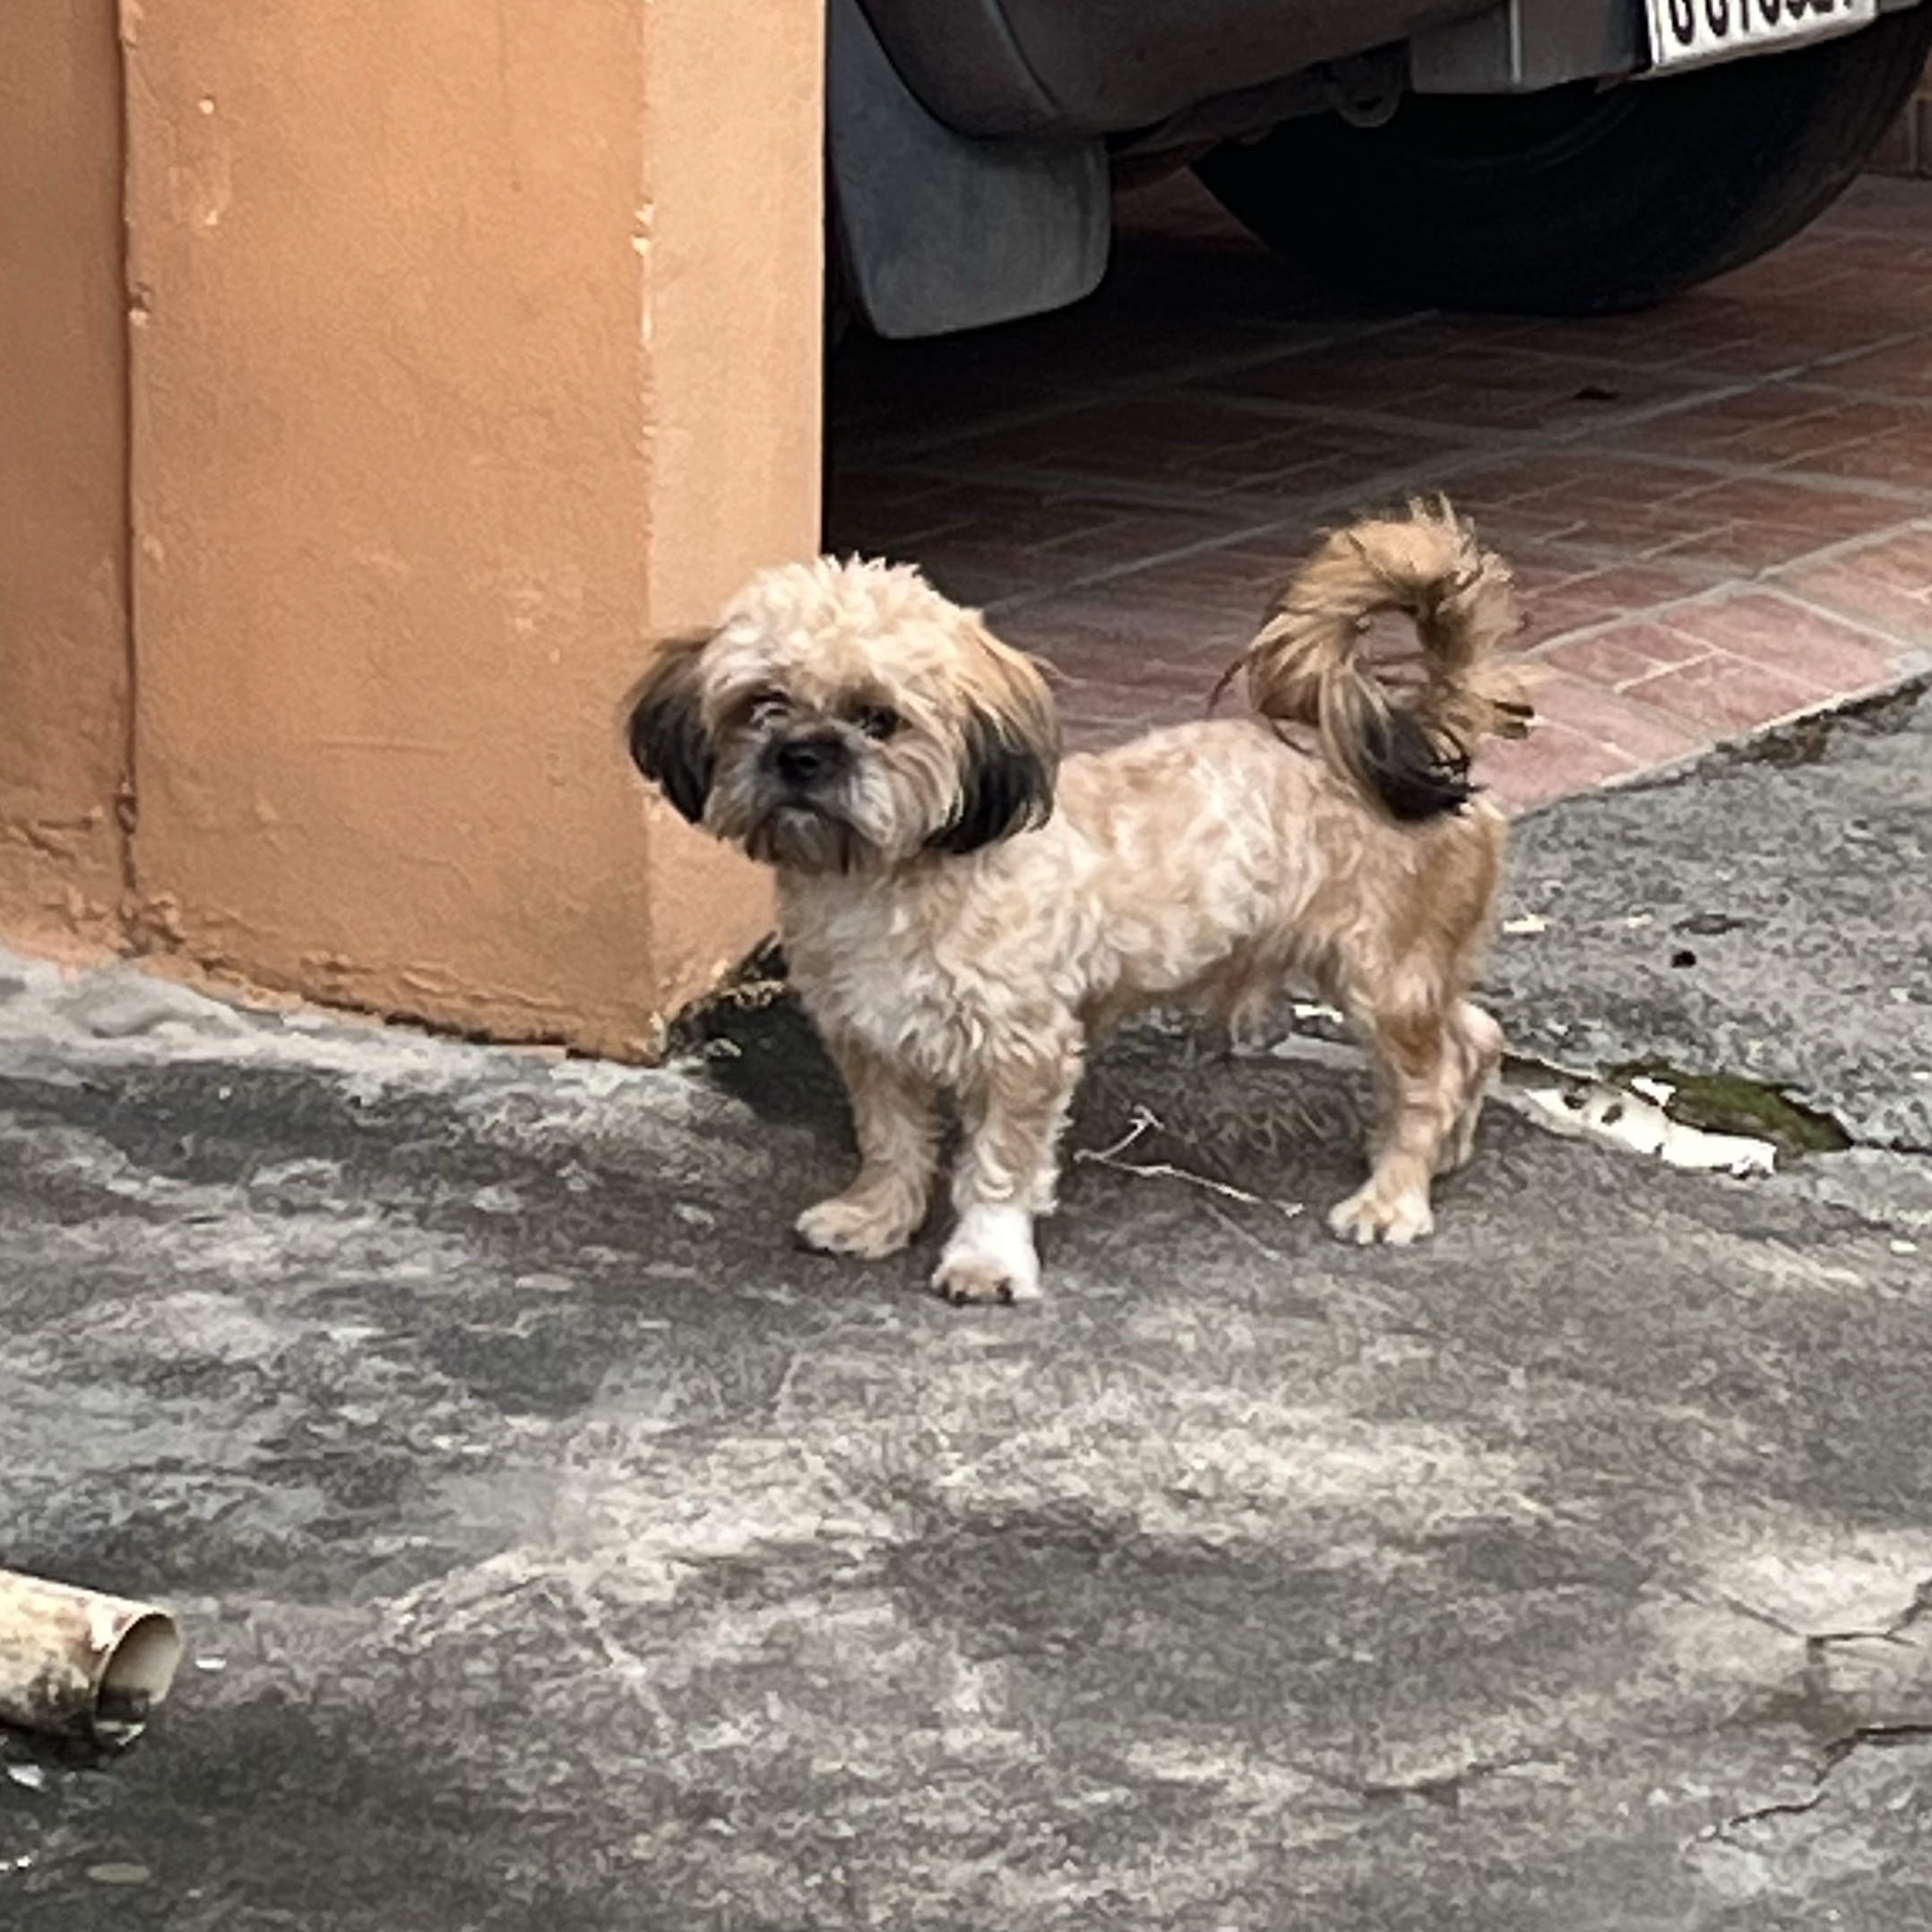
<point>1581,200</point>
<point>841,310</point>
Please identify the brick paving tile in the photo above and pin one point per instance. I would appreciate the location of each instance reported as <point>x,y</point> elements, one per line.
<point>1900,456</point>
<point>1720,513</point>
<point>1563,480</point>
<point>980,562</point>
<point>1195,442</point>
<point>1903,560</point>
<point>982,543</point>
<point>1121,641</point>
<point>1902,370</point>
<point>1740,549</point>
<point>1237,580</point>
<point>1791,502</point>
<point>1727,694</point>
<point>876,407</point>
<point>1642,732</point>
<point>1619,657</point>
<point>1782,634</point>
<point>1581,599</point>
<point>1785,425</point>
<point>889,514</point>
<point>1551,762</point>
<point>1887,584</point>
<point>1839,585</point>
<point>1459,387</point>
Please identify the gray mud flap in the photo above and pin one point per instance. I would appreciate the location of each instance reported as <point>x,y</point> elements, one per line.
<point>942,231</point>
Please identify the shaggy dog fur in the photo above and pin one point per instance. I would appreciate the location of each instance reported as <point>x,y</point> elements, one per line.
<point>963,913</point>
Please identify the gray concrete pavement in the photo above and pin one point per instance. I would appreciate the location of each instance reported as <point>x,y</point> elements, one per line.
<point>1770,918</point>
<point>561,1551</point>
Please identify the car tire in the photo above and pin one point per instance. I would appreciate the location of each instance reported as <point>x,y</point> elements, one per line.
<point>841,308</point>
<point>1581,200</point>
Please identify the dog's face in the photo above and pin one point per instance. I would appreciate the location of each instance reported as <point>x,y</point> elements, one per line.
<point>846,717</point>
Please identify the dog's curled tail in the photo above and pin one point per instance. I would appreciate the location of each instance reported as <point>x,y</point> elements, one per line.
<point>1402,733</point>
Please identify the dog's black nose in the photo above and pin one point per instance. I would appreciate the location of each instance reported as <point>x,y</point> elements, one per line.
<point>804,760</point>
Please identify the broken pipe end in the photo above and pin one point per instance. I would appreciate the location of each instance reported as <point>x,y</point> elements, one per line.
<point>74,1663</point>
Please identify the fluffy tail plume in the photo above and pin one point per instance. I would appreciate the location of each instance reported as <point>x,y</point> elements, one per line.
<point>1401,732</point>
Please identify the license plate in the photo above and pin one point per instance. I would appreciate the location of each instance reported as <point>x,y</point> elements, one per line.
<point>1689,33</point>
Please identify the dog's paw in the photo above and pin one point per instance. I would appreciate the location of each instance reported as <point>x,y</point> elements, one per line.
<point>865,1229</point>
<point>963,1279</point>
<point>990,1257</point>
<point>1370,1215</point>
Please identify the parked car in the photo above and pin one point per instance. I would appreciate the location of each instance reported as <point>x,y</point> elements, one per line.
<point>1554,156</point>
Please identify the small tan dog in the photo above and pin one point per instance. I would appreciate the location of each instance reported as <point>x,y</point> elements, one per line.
<point>962,913</point>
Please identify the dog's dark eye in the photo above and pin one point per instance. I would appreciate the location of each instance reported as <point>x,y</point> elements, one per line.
<point>767,707</point>
<point>878,720</point>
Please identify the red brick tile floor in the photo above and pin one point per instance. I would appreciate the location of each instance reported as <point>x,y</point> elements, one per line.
<point>1720,513</point>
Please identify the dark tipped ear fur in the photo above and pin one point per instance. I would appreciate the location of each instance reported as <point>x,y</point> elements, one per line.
<point>1006,786</point>
<point>1416,773</point>
<point>668,743</point>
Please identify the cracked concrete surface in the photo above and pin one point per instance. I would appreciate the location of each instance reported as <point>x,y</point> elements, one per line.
<point>1758,918</point>
<point>559,1549</point>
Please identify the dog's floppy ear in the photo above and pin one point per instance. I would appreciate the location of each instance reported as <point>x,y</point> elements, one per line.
<point>669,742</point>
<point>1006,786</point>
<point>1009,751</point>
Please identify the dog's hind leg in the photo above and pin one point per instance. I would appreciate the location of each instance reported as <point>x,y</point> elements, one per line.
<point>896,1115</point>
<point>1014,1113</point>
<point>1422,1088</point>
<point>1479,1040</point>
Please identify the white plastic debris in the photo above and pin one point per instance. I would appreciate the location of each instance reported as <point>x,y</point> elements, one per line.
<point>1582,1107</point>
<point>1619,1118</point>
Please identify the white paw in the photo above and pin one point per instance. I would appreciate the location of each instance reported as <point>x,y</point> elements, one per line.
<point>1370,1215</point>
<point>990,1257</point>
<point>845,1225</point>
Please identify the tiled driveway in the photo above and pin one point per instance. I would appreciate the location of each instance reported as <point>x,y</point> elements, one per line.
<point>1720,514</point>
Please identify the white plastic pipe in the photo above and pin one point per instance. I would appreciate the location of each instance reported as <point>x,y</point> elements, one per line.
<point>77,1664</point>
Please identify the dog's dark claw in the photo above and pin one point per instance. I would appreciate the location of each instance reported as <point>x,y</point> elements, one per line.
<point>968,1281</point>
<point>957,1296</point>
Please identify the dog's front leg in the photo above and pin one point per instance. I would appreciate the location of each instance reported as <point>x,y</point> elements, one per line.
<point>895,1116</point>
<point>1013,1115</point>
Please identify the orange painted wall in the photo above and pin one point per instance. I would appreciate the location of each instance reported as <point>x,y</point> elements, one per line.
<point>63,644</point>
<point>473,348</point>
